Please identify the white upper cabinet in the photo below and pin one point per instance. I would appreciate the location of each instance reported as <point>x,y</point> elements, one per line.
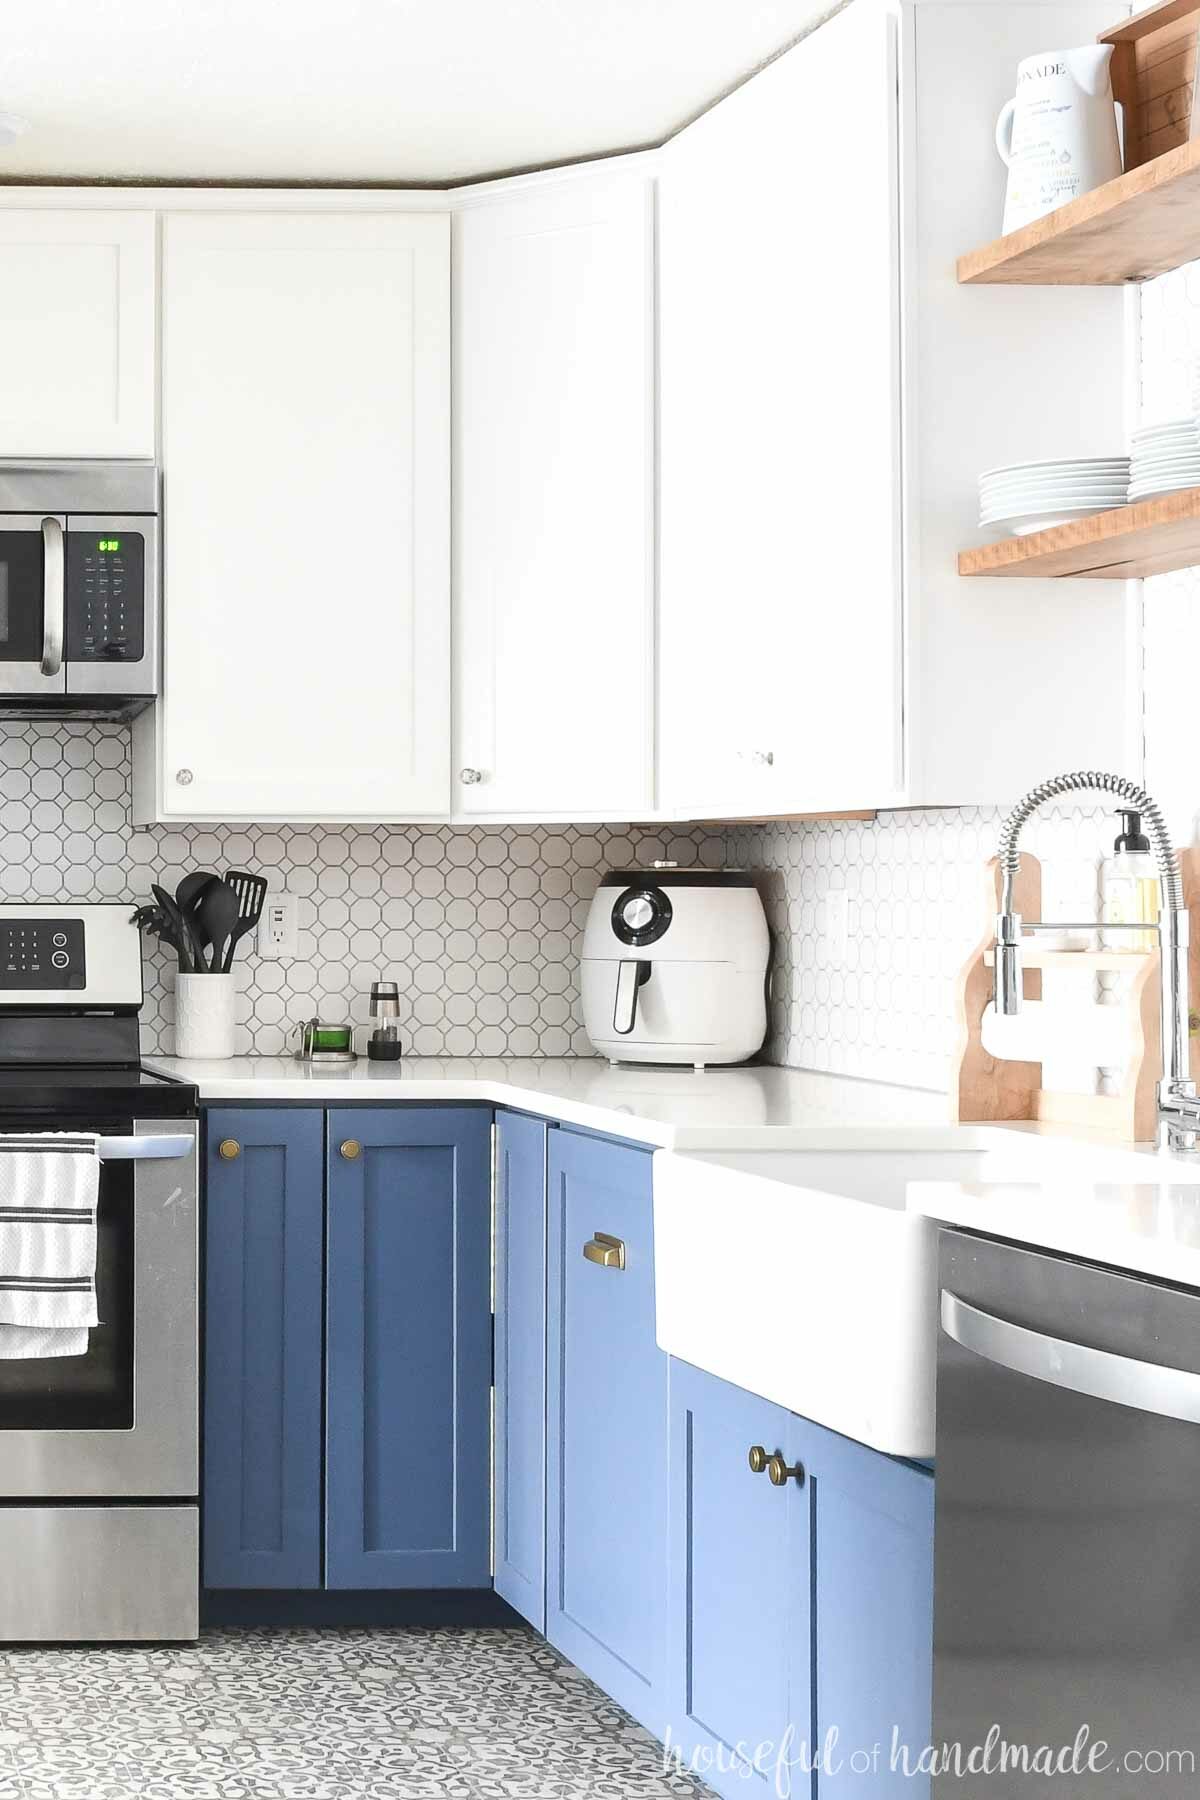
<point>829,396</point>
<point>780,632</point>
<point>76,333</point>
<point>554,519</point>
<point>306,415</point>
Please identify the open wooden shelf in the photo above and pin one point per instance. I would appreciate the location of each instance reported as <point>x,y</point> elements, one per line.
<point>1151,538</point>
<point>1142,224</point>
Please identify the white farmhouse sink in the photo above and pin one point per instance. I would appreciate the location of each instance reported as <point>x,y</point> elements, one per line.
<point>800,1275</point>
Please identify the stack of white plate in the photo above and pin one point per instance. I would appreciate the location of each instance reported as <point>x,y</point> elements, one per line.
<point>1025,497</point>
<point>1165,457</point>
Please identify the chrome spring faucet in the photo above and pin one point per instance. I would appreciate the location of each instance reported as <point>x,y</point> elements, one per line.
<point>1178,1104</point>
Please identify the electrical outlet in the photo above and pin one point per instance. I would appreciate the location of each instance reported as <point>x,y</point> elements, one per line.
<point>837,923</point>
<point>278,927</point>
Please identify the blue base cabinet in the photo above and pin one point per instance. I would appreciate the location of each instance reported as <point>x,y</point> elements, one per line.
<point>800,1621</point>
<point>408,1348</point>
<point>872,1584</point>
<point>264,1274</point>
<point>520,1376</point>
<point>606,1423</point>
<point>348,1348</point>
<point>739,1682</point>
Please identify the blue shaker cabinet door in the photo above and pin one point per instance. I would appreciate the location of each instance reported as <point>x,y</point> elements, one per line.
<point>873,1615</point>
<point>739,1657</point>
<point>607,1424</point>
<point>264,1241</point>
<point>408,1348</point>
<point>521,1364</point>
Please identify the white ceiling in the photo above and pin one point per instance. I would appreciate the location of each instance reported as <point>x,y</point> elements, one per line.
<point>371,90</point>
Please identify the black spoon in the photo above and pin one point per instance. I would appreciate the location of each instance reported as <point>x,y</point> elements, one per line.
<point>186,895</point>
<point>215,909</point>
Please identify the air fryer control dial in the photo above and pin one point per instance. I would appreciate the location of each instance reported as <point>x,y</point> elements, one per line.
<point>641,915</point>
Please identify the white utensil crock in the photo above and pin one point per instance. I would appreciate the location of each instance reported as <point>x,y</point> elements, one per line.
<point>204,1015</point>
<point>1059,135</point>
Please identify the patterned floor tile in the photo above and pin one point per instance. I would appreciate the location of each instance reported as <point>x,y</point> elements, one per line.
<point>422,1714</point>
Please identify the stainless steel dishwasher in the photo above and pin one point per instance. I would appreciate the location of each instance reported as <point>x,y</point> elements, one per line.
<point>1067,1596</point>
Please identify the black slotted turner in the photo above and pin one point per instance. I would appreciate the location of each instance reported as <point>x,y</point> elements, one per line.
<point>251,891</point>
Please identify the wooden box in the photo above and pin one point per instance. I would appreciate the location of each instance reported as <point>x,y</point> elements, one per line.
<point>1154,78</point>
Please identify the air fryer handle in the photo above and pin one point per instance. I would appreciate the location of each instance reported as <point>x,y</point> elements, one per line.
<point>630,977</point>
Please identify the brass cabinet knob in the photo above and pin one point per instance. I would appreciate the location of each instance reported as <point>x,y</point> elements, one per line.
<point>351,1149</point>
<point>757,1459</point>
<point>228,1149</point>
<point>606,1250</point>
<point>778,1473</point>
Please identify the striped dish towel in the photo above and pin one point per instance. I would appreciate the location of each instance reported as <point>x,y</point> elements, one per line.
<point>49,1187</point>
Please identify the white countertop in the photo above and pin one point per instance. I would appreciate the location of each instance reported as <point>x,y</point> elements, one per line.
<point>1136,1209</point>
<point>676,1109</point>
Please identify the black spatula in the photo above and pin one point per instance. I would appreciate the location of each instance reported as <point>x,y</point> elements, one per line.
<point>251,891</point>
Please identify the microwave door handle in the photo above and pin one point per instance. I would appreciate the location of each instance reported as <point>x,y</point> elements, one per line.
<point>54,596</point>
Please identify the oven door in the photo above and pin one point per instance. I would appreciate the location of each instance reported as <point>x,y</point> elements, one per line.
<point>32,603</point>
<point>122,1421</point>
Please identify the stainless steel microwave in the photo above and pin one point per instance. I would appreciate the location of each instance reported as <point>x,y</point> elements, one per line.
<point>79,587</point>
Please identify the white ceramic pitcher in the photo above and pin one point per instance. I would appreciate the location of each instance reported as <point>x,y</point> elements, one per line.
<point>1059,135</point>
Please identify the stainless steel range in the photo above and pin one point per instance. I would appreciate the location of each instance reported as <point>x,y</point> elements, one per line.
<point>99,1454</point>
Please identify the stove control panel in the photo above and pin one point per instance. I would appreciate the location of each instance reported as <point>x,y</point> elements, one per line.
<point>42,953</point>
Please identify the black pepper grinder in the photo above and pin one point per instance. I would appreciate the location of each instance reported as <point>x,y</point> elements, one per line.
<point>383,1045</point>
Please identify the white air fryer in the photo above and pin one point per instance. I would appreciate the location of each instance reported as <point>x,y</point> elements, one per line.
<point>675,967</point>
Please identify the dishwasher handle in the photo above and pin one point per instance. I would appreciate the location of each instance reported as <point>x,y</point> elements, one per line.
<point>1099,1374</point>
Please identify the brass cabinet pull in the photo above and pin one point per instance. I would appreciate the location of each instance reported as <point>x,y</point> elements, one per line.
<point>757,1459</point>
<point>778,1473</point>
<point>351,1149</point>
<point>228,1149</point>
<point>608,1251</point>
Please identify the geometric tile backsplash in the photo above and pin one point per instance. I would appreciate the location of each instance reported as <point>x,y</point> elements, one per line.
<point>479,925</point>
<point>914,885</point>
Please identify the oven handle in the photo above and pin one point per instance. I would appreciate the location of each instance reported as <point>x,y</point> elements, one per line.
<point>167,1148</point>
<point>1099,1374</point>
<point>54,596</point>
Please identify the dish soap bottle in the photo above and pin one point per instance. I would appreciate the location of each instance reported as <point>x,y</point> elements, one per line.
<point>1129,888</point>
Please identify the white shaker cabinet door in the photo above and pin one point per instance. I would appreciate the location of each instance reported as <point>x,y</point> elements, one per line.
<point>306,470</point>
<point>554,447</point>
<point>76,333</point>
<point>781,596</point>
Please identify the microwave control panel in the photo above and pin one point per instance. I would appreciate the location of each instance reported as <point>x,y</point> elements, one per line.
<point>42,953</point>
<point>106,597</point>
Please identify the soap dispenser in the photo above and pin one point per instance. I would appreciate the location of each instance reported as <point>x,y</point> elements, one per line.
<point>1129,888</point>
